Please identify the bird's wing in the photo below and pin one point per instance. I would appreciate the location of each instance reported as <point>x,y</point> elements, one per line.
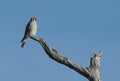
<point>27,29</point>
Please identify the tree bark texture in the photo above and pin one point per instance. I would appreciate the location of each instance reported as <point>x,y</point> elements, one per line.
<point>92,73</point>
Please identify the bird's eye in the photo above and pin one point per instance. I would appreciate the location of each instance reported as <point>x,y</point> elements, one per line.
<point>35,19</point>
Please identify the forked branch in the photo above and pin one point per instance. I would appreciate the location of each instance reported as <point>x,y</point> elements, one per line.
<point>53,54</point>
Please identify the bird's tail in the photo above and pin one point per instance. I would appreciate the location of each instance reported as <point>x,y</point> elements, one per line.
<point>22,45</point>
<point>23,41</point>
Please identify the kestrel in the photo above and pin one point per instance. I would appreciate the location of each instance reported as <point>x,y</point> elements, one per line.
<point>30,30</point>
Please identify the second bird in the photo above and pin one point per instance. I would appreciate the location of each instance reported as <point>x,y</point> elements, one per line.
<point>30,30</point>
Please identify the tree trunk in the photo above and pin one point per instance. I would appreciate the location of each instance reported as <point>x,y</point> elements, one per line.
<point>92,73</point>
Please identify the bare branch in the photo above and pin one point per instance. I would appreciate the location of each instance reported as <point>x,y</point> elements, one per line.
<point>53,54</point>
<point>91,73</point>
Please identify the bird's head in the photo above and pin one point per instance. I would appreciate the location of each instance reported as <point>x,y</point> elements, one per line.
<point>34,19</point>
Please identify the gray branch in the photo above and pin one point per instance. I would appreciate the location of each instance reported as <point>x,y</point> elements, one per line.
<point>91,72</point>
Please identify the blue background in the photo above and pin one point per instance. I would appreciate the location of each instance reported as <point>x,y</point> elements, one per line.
<point>75,28</point>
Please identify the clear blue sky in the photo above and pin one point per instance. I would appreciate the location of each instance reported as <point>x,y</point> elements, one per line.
<point>75,28</point>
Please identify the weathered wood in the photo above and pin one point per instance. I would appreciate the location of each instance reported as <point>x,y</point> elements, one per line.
<point>92,73</point>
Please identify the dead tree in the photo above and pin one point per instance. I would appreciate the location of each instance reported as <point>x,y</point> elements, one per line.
<point>92,73</point>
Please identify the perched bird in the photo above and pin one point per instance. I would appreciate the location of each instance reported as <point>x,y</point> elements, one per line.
<point>30,30</point>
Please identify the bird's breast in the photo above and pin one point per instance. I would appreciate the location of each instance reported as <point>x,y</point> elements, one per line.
<point>33,29</point>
